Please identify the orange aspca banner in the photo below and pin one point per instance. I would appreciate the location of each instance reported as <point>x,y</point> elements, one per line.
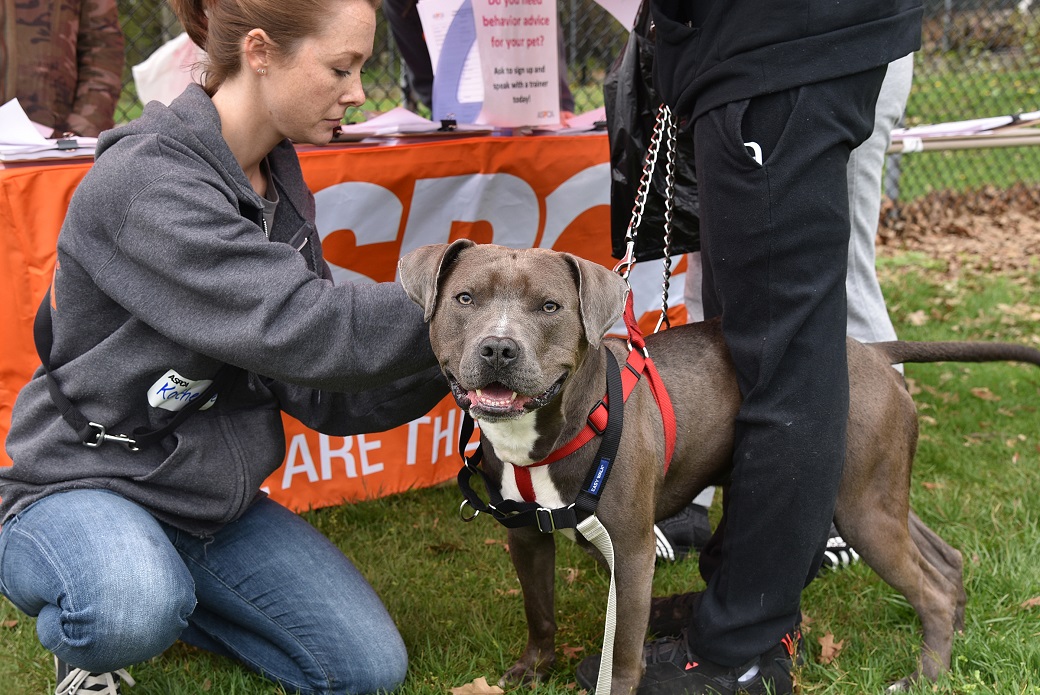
<point>373,204</point>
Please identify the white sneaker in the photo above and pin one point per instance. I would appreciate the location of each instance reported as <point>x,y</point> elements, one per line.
<point>76,681</point>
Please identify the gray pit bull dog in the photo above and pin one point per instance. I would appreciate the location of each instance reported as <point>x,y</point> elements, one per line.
<point>520,334</point>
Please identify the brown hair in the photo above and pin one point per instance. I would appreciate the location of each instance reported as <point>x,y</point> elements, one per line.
<point>219,26</point>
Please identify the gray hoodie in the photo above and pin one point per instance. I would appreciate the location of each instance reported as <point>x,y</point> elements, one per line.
<point>165,272</point>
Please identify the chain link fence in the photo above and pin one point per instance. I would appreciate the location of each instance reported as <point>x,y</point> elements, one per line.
<point>979,58</point>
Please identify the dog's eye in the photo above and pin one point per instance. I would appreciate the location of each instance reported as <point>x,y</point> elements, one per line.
<point>464,298</point>
<point>550,307</point>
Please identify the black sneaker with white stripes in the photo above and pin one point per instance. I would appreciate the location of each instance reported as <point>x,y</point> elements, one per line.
<point>839,553</point>
<point>677,535</point>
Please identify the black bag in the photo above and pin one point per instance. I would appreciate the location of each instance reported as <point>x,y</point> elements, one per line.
<point>631,108</point>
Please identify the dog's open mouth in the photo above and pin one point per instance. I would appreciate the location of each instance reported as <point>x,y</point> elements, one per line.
<point>498,401</point>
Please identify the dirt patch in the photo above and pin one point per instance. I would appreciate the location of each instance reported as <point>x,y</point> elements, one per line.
<point>984,231</point>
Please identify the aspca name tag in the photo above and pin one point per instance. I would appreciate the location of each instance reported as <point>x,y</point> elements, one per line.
<point>173,391</point>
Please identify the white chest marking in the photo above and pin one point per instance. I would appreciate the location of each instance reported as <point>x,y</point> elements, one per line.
<point>513,441</point>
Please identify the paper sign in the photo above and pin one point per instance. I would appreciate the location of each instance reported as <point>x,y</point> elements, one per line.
<point>458,87</point>
<point>519,61</point>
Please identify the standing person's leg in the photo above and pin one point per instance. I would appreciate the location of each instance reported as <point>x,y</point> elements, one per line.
<point>868,316</point>
<point>277,595</point>
<point>868,319</point>
<point>100,576</point>
<point>406,27</point>
<point>775,244</point>
<point>566,97</point>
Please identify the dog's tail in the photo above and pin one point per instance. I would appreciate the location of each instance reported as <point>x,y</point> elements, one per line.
<point>910,351</point>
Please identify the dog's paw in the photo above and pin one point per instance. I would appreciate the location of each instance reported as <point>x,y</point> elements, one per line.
<point>523,673</point>
<point>902,685</point>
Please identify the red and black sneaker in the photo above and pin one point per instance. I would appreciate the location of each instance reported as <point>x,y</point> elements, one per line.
<point>671,615</point>
<point>673,669</point>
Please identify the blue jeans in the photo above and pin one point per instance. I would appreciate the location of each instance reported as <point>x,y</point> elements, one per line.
<point>111,586</point>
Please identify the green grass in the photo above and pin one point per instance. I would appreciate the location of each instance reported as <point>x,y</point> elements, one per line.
<point>976,481</point>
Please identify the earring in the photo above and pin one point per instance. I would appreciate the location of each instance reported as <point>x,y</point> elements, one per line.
<point>261,71</point>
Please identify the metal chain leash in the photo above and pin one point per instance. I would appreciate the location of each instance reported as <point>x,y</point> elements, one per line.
<point>664,130</point>
<point>669,203</point>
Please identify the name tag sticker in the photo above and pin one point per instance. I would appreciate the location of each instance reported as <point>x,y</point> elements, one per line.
<point>173,391</point>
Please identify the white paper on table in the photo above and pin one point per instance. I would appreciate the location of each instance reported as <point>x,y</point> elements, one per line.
<point>623,11</point>
<point>458,87</point>
<point>394,121</point>
<point>16,130</point>
<point>21,137</point>
<point>588,119</point>
<point>577,125</point>
<point>519,61</point>
<point>398,119</point>
<point>401,121</point>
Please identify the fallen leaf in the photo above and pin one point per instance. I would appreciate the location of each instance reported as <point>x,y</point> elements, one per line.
<point>829,649</point>
<point>984,393</point>
<point>918,318</point>
<point>933,486</point>
<point>1032,602</point>
<point>928,420</point>
<point>571,652</point>
<point>9,624</point>
<point>507,592</point>
<point>207,685</point>
<point>478,687</point>
<point>572,575</point>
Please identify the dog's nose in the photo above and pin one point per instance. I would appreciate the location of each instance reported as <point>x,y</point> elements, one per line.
<point>498,352</point>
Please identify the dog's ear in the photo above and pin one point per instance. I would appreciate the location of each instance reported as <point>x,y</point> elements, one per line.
<point>602,294</point>
<point>421,271</point>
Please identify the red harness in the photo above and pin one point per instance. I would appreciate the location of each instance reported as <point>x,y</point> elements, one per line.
<point>637,363</point>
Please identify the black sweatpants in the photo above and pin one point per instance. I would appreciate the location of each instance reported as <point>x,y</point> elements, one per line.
<point>774,247</point>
